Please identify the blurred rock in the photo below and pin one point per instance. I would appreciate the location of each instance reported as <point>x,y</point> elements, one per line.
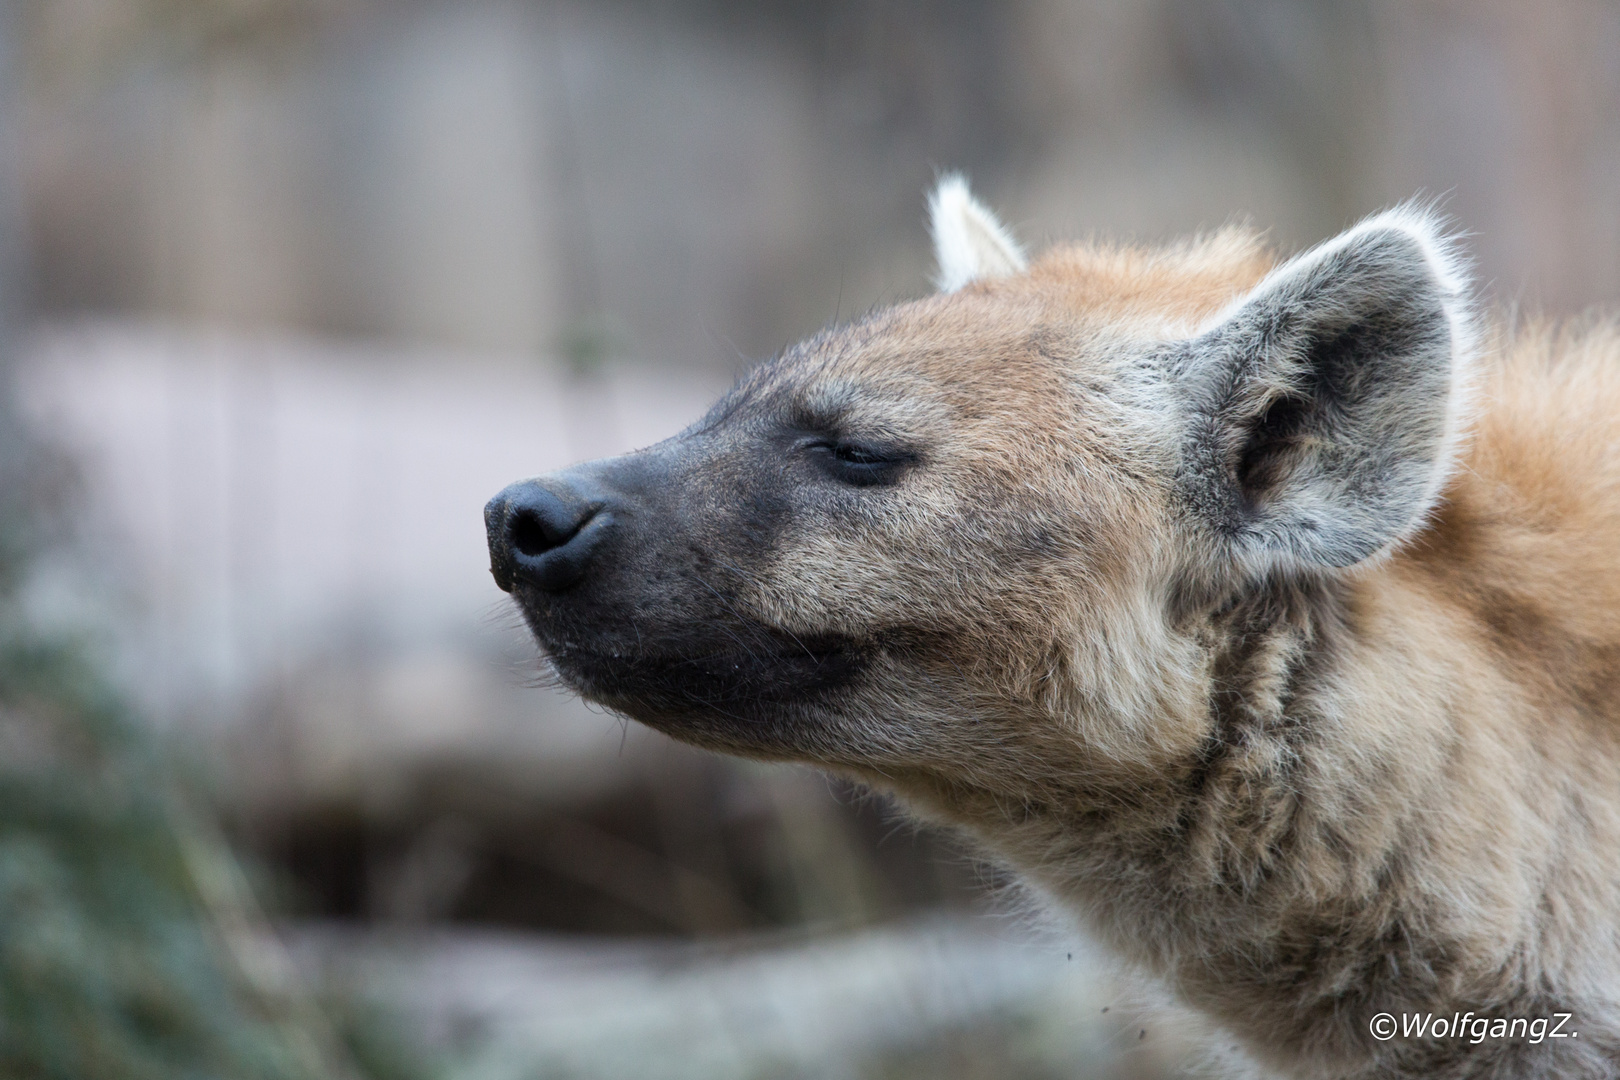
<point>936,997</point>
<point>271,504</point>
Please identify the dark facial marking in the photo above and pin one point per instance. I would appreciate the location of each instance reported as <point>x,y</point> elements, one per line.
<point>647,621</point>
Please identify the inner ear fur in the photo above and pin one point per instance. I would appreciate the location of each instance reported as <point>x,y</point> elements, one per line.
<point>970,243</point>
<point>1322,410</point>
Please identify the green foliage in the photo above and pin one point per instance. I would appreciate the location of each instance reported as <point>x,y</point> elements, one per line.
<point>111,962</point>
<point>130,945</point>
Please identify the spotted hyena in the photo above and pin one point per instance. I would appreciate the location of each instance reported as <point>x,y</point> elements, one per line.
<point>1265,615</point>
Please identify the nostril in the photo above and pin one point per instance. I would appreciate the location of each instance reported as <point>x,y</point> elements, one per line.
<point>542,534</point>
<point>545,525</point>
<point>529,534</point>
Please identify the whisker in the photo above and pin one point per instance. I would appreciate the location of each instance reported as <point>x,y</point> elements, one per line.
<point>733,611</point>
<point>748,579</point>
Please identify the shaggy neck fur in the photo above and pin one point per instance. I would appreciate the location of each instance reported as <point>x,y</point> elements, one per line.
<point>1293,876</point>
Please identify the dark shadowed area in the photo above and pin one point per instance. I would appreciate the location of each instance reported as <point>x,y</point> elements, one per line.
<point>289,288</point>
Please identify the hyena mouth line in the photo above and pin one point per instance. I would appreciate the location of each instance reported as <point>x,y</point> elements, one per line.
<point>772,671</point>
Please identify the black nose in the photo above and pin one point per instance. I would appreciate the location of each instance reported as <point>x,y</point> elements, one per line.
<point>543,534</point>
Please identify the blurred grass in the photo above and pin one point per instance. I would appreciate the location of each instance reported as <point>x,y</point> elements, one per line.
<point>130,944</point>
<point>110,959</point>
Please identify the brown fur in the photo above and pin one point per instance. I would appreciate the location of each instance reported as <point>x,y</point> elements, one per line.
<point>1395,791</point>
<point>1301,797</point>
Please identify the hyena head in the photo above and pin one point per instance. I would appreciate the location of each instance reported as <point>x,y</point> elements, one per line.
<point>972,542</point>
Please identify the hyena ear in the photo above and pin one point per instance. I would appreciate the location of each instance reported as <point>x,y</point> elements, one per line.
<point>1323,409</point>
<point>969,243</point>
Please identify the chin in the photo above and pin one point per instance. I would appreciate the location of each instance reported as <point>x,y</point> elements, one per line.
<point>752,692</point>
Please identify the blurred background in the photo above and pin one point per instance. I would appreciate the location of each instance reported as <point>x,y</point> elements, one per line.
<point>288,288</point>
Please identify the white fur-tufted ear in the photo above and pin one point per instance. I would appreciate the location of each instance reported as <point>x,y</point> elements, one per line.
<point>969,243</point>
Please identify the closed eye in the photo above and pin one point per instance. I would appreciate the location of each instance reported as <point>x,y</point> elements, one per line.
<point>860,464</point>
<point>857,455</point>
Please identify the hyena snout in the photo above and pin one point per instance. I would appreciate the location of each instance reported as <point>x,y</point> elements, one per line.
<point>545,533</point>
